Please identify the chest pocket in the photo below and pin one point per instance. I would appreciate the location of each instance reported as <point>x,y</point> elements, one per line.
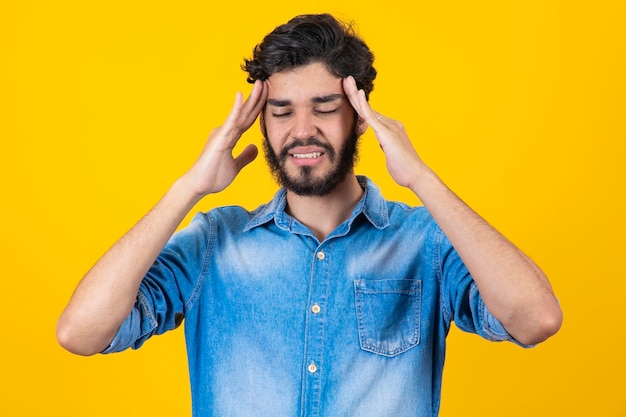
<point>388,315</point>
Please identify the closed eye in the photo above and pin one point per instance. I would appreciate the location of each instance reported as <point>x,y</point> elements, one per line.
<point>281,114</point>
<point>325,111</point>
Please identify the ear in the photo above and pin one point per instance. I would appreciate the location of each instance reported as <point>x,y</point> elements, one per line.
<point>262,124</point>
<point>361,125</point>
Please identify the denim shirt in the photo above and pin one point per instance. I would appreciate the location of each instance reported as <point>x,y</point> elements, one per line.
<point>278,324</point>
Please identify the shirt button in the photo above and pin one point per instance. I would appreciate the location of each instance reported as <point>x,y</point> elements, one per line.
<point>315,308</point>
<point>312,367</point>
<point>320,255</point>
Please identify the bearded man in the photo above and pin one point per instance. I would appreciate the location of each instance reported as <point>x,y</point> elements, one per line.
<point>328,300</point>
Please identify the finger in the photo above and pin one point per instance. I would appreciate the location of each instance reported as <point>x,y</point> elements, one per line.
<point>367,113</point>
<point>259,103</point>
<point>245,113</point>
<point>243,109</point>
<point>235,111</point>
<point>252,98</point>
<point>253,105</point>
<point>361,105</point>
<point>246,156</point>
<point>242,115</point>
<point>351,90</point>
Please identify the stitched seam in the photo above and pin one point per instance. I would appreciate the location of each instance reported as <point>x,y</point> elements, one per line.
<point>145,306</point>
<point>438,267</point>
<point>211,238</point>
<point>362,327</point>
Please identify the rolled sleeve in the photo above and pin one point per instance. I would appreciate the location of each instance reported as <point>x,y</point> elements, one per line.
<point>127,334</point>
<point>492,328</point>
<point>168,288</point>
<point>463,303</point>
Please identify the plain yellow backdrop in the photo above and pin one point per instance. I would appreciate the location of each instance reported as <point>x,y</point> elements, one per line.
<point>519,106</point>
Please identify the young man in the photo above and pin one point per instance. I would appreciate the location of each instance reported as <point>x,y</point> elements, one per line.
<point>328,300</point>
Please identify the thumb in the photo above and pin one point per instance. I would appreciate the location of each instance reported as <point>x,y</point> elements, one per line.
<point>246,156</point>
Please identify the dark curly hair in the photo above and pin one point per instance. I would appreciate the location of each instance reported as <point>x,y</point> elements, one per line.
<point>313,38</point>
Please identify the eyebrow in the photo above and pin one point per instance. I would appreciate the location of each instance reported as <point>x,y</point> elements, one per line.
<point>278,103</point>
<point>321,99</point>
<point>326,99</point>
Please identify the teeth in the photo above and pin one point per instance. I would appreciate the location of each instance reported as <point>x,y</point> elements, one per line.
<point>307,155</point>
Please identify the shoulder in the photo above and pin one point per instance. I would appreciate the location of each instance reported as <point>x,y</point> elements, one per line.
<point>403,214</point>
<point>225,217</point>
<point>395,216</point>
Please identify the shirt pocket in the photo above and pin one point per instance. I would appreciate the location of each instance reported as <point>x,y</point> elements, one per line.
<point>388,314</point>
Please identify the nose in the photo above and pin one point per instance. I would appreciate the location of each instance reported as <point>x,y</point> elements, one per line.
<point>304,126</point>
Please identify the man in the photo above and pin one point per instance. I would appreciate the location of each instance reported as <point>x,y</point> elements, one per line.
<point>328,300</point>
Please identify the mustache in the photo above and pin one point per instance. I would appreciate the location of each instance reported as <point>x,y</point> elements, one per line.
<point>284,153</point>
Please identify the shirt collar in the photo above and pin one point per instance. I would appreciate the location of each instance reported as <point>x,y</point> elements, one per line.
<point>372,205</point>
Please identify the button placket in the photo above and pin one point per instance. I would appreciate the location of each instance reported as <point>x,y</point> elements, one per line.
<point>315,308</point>
<point>314,349</point>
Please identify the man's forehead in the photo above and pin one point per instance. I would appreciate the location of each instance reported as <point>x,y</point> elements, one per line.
<point>312,82</point>
<point>318,99</point>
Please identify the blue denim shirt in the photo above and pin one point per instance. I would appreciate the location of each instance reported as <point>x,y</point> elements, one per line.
<point>280,324</point>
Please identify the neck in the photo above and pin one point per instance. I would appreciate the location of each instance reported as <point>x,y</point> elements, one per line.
<point>322,214</point>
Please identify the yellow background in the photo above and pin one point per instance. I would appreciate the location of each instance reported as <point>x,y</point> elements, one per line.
<point>519,106</point>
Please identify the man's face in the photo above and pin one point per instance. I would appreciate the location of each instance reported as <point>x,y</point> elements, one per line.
<point>310,130</point>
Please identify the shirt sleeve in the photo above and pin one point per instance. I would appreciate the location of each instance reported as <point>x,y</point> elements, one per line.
<point>461,300</point>
<point>127,333</point>
<point>169,288</point>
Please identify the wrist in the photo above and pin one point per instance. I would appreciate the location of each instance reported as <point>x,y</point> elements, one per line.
<point>184,191</point>
<point>423,179</point>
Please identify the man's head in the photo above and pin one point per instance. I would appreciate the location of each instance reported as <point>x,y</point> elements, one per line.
<point>311,130</point>
<point>314,38</point>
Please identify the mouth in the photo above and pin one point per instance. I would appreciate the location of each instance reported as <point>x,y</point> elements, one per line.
<point>307,153</point>
<point>306,158</point>
<point>310,155</point>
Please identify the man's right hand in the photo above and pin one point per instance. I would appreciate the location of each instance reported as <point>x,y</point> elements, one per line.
<point>216,167</point>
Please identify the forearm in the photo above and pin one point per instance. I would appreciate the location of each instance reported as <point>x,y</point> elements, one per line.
<point>107,293</point>
<point>513,287</point>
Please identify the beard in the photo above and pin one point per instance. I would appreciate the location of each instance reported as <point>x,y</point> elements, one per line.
<point>306,182</point>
